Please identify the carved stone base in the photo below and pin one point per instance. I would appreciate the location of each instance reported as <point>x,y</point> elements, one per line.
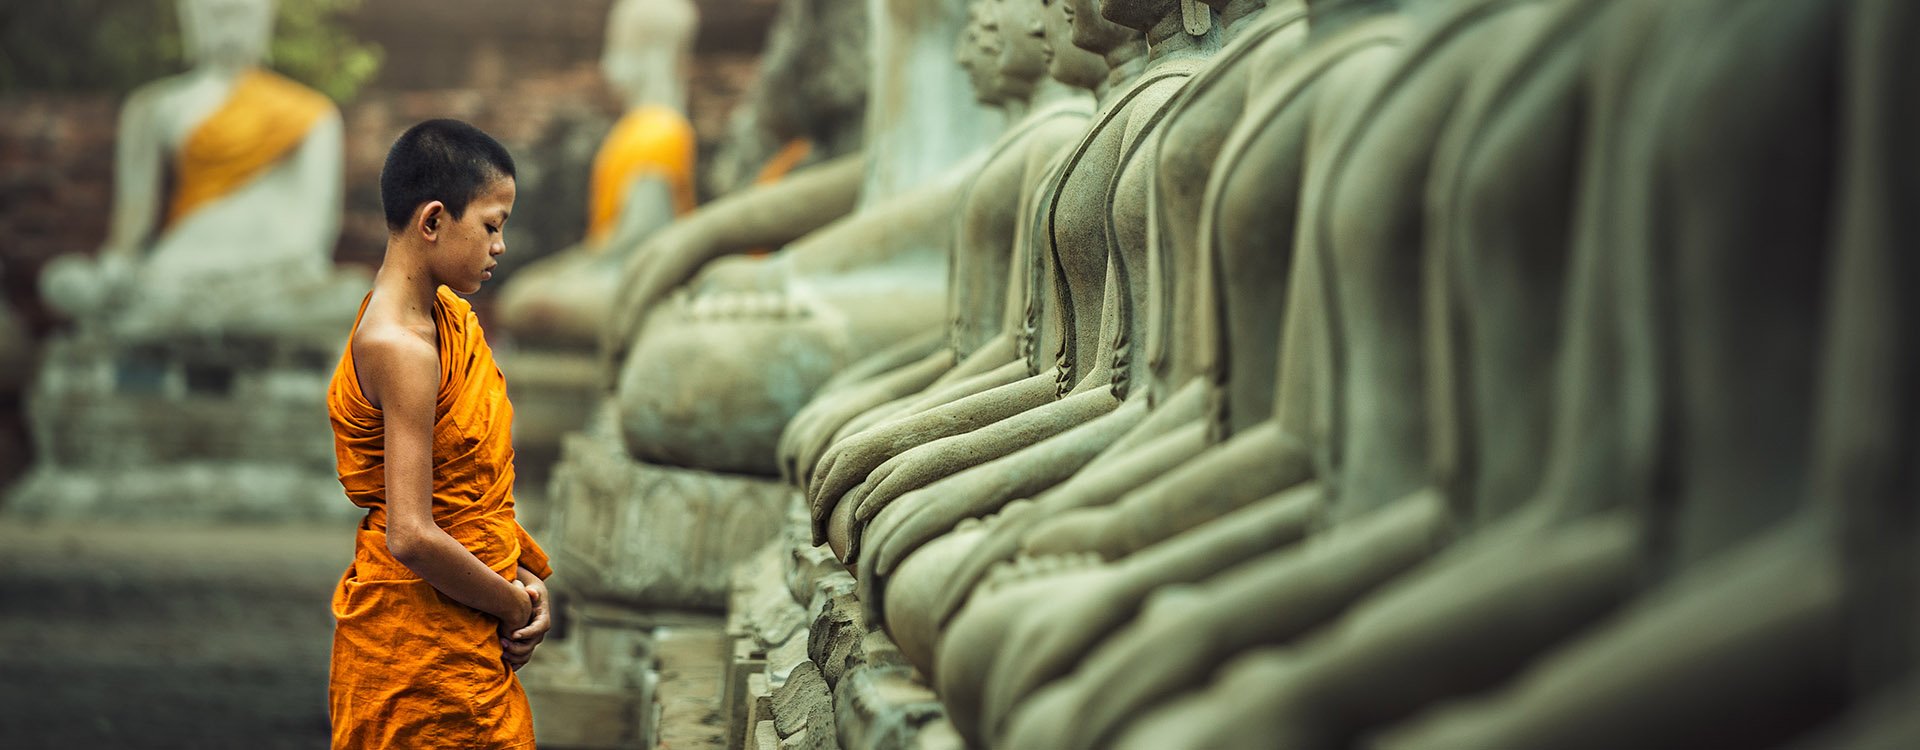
<point>809,671</point>
<point>651,536</point>
<point>554,393</point>
<point>592,685</point>
<point>185,428</point>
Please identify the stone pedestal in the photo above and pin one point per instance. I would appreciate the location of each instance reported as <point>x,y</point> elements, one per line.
<point>188,427</point>
<point>554,392</point>
<point>810,672</point>
<point>650,536</point>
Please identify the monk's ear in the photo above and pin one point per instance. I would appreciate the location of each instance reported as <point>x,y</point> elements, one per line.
<point>431,219</point>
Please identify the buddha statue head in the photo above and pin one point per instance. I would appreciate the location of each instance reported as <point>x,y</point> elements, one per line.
<point>226,34</point>
<point>976,51</point>
<point>1092,31</point>
<point>1066,62</point>
<point>648,45</point>
<point>1023,45</point>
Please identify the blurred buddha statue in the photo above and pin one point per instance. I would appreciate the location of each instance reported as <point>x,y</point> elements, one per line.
<point>642,179</point>
<point>715,354</point>
<point>226,196</point>
<point>203,330</point>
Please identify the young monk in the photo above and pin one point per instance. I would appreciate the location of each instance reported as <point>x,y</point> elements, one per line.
<point>444,599</point>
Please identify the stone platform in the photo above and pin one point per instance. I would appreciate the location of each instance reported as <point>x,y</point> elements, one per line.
<point>648,536</point>
<point>183,428</point>
<point>644,558</point>
<point>805,669</point>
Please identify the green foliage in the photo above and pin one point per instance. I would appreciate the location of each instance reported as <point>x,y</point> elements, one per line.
<point>115,45</point>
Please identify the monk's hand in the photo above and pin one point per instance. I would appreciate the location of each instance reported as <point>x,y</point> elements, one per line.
<point>517,645</point>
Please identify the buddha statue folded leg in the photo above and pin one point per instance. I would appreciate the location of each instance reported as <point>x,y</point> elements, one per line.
<point>903,368</point>
<point>832,297</point>
<point>920,515</point>
<point>916,467</point>
<point>1183,633</point>
<point>1248,466</point>
<point>941,392</point>
<point>1148,451</point>
<point>1743,650</point>
<point>849,461</point>
<point>921,464</point>
<point>903,526</point>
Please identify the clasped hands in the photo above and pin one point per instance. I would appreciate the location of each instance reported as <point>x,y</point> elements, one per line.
<point>517,644</point>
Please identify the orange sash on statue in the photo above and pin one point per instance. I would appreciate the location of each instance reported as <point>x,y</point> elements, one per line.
<point>263,119</point>
<point>651,139</point>
<point>412,667</point>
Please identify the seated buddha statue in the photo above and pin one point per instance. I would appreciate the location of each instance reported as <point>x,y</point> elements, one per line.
<point>833,293</point>
<point>226,197</point>
<point>1093,227</point>
<point>642,179</point>
<point>1006,56</point>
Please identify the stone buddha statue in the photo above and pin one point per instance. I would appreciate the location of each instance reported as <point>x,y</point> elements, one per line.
<point>642,179</point>
<point>846,289</point>
<point>1390,643</point>
<point>553,310</point>
<point>1093,237</point>
<point>200,334</point>
<point>1006,56</point>
<point>1318,83</point>
<point>1196,125</point>
<point>226,196</point>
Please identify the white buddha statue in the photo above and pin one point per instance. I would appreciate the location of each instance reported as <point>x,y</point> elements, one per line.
<point>642,180</point>
<point>226,196</point>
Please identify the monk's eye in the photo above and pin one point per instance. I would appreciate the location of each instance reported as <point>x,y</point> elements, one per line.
<point>491,229</point>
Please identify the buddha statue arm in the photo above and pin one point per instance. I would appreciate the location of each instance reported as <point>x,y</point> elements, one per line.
<point>647,209</point>
<point>822,417</point>
<point>138,171</point>
<point>849,461</point>
<point>767,215</point>
<point>316,164</point>
<point>915,467</point>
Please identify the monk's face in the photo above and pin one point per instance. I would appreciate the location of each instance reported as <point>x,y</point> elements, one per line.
<point>468,247</point>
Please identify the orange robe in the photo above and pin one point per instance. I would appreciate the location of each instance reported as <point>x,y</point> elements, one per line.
<point>412,667</point>
<point>264,118</point>
<point>649,140</point>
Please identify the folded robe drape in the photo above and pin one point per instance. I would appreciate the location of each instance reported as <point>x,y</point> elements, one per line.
<point>264,118</point>
<point>412,667</point>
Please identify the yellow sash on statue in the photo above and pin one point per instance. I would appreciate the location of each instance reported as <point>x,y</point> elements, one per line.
<point>263,119</point>
<point>650,139</point>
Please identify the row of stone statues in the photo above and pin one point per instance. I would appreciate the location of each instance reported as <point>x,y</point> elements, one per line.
<point>1400,373</point>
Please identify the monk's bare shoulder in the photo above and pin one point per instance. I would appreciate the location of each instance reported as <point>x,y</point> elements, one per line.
<point>391,357</point>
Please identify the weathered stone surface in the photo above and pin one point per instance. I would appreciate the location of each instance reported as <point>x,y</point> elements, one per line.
<point>803,702</point>
<point>692,659</point>
<point>593,685</point>
<point>695,526</point>
<point>880,708</point>
<point>186,429</point>
<point>836,635</point>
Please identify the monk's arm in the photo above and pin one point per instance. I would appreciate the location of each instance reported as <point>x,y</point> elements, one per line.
<point>403,372</point>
